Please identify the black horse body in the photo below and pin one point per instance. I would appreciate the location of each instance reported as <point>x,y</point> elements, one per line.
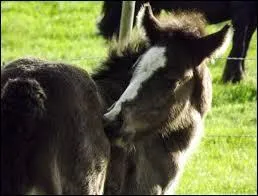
<point>52,138</point>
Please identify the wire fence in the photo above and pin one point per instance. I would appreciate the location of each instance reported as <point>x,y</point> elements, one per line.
<point>237,58</point>
<point>231,136</point>
<point>95,58</point>
<point>218,58</point>
<point>205,136</point>
<point>99,59</point>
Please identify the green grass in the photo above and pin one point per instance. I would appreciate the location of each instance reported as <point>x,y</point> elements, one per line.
<point>65,31</point>
<point>52,30</point>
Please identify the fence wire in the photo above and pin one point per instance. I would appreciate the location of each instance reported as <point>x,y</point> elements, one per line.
<point>231,136</point>
<point>95,58</point>
<point>99,59</point>
<point>218,58</point>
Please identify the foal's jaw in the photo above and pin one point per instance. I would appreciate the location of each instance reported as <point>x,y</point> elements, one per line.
<point>117,133</point>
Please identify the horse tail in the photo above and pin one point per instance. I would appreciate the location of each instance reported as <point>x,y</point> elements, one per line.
<point>22,103</point>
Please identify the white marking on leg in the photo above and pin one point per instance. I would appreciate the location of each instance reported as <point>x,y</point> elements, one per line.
<point>151,61</point>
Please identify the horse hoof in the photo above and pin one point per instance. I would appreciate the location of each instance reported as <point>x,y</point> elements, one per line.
<point>233,78</point>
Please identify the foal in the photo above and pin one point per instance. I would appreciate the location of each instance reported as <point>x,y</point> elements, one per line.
<point>161,111</point>
<point>52,138</point>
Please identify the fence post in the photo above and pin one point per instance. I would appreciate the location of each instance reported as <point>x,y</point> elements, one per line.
<point>126,22</point>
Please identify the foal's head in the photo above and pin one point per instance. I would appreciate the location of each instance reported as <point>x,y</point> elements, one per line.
<point>163,78</point>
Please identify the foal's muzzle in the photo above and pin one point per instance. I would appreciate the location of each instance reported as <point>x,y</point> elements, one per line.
<point>115,132</point>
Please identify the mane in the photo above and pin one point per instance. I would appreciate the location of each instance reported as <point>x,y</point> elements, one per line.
<point>114,73</point>
<point>118,58</point>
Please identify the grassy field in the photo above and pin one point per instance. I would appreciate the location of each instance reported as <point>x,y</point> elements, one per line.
<point>224,163</point>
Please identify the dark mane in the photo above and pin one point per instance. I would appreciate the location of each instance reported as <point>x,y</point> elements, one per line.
<point>116,56</point>
<point>114,74</point>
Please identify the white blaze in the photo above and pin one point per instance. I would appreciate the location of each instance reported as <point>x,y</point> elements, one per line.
<point>152,60</point>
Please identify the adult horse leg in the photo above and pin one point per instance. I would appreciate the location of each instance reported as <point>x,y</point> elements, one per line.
<point>235,69</point>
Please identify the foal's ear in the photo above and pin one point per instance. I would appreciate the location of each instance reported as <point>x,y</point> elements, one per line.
<point>211,45</point>
<point>151,25</point>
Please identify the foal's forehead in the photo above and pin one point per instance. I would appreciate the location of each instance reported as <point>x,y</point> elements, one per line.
<point>149,63</point>
<point>152,60</point>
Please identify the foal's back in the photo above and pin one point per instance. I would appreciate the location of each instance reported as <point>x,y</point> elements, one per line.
<point>51,130</point>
